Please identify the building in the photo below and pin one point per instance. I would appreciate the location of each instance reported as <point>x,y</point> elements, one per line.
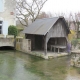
<point>7,15</point>
<point>48,34</point>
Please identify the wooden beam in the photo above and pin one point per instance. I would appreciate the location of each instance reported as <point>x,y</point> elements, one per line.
<point>46,39</point>
<point>45,46</point>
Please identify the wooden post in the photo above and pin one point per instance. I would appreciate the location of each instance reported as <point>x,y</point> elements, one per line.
<point>46,39</point>
<point>45,47</point>
<point>58,49</point>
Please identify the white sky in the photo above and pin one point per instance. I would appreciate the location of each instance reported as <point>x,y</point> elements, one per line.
<point>62,6</point>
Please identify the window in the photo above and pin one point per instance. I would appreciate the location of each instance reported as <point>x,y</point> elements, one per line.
<point>1,22</point>
<point>1,5</point>
<point>1,27</point>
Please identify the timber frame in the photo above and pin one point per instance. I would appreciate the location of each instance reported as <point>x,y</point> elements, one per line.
<point>56,35</point>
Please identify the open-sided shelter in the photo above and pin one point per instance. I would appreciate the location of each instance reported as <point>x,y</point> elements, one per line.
<point>48,34</point>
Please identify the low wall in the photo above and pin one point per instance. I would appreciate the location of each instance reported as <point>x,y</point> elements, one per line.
<point>23,45</point>
<point>19,43</point>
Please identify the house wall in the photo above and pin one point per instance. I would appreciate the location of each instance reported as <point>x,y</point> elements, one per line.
<point>57,34</point>
<point>37,41</point>
<point>58,30</point>
<point>7,14</point>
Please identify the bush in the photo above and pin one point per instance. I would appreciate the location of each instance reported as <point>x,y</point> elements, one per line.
<point>12,30</point>
<point>74,42</point>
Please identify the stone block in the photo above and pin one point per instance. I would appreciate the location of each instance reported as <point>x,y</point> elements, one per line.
<point>9,36</point>
<point>2,36</point>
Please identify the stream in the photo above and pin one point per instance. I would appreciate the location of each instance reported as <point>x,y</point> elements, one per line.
<point>16,65</point>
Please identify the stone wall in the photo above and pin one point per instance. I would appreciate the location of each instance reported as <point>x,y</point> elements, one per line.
<point>8,41</point>
<point>23,45</point>
<point>19,43</point>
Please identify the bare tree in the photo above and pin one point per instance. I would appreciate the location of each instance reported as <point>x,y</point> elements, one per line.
<point>77,21</point>
<point>28,10</point>
<point>43,15</point>
<point>75,18</point>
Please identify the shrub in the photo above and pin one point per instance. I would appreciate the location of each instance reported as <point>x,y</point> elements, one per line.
<point>74,42</point>
<point>12,30</point>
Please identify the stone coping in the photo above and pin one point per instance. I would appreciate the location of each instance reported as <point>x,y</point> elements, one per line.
<point>2,36</point>
<point>9,36</point>
<point>49,55</point>
<point>19,37</point>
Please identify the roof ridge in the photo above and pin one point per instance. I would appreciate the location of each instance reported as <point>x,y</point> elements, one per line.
<point>48,18</point>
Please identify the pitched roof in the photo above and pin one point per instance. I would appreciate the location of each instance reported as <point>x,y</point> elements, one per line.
<point>41,26</point>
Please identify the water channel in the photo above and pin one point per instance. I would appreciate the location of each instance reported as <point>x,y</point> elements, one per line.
<point>16,65</point>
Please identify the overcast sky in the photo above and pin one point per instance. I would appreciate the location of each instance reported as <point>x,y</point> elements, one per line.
<point>62,6</point>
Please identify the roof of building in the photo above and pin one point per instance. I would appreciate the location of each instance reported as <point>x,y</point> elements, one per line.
<point>41,26</point>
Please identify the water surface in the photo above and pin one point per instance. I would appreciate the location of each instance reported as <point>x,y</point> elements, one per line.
<point>20,66</point>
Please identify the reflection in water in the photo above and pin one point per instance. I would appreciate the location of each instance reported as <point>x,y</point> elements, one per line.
<point>20,66</point>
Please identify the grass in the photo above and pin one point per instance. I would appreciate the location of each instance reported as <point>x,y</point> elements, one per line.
<point>78,70</point>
